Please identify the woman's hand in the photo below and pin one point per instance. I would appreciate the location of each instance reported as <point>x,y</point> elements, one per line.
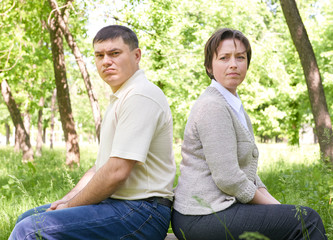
<point>262,196</point>
<point>269,196</point>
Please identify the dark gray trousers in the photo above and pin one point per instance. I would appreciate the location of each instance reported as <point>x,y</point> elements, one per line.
<point>277,222</point>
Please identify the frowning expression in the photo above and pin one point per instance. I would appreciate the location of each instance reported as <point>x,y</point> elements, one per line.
<point>116,62</point>
<point>229,65</point>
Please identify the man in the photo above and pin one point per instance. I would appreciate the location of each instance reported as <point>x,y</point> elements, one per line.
<point>127,194</point>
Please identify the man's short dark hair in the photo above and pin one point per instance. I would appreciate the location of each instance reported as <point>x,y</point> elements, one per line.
<point>115,31</point>
<point>214,42</point>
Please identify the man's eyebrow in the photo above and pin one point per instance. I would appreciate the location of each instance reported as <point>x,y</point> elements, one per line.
<point>111,50</point>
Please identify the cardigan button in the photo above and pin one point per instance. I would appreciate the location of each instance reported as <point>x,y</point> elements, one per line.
<point>255,153</point>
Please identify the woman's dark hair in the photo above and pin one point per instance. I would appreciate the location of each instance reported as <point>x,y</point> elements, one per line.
<point>214,42</point>
<point>115,31</point>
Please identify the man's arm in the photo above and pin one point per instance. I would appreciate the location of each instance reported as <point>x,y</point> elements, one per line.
<point>103,184</point>
<point>79,186</point>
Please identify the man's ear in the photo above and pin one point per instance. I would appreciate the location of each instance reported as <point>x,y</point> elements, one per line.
<point>137,53</point>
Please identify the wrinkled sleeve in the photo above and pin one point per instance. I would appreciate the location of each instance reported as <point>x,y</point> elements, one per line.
<point>259,183</point>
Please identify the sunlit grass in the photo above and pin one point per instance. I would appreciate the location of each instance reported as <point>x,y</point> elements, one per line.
<point>293,175</point>
<point>24,186</point>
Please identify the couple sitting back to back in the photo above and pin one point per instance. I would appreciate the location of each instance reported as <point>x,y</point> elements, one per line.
<point>128,194</point>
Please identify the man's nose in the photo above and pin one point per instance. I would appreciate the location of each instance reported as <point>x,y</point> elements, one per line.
<point>107,60</point>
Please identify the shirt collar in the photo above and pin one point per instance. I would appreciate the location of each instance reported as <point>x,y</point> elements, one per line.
<point>139,74</point>
<point>234,101</point>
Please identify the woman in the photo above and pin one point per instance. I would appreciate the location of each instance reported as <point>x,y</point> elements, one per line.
<point>219,194</point>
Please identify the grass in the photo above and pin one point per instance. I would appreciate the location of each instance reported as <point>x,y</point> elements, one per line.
<point>292,175</point>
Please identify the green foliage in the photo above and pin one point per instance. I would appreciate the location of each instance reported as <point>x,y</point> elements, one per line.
<point>173,33</point>
<point>253,236</point>
<point>23,186</point>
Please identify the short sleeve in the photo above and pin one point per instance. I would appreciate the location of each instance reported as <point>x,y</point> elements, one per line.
<point>137,121</point>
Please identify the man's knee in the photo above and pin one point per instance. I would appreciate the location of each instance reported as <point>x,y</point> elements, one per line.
<point>27,228</point>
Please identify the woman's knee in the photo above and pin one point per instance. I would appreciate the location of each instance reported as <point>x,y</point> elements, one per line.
<point>312,222</point>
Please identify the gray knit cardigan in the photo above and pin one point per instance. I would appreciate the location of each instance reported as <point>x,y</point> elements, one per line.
<point>220,157</point>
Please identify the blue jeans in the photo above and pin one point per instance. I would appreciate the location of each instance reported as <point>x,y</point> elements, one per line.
<point>110,219</point>
<point>277,222</point>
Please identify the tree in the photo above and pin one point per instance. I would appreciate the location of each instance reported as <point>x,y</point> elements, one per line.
<point>24,60</point>
<point>82,66</point>
<point>39,140</point>
<point>22,135</point>
<point>312,76</point>
<point>65,109</point>
<point>53,110</point>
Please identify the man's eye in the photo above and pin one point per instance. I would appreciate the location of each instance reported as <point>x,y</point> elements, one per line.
<point>99,55</point>
<point>115,54</point>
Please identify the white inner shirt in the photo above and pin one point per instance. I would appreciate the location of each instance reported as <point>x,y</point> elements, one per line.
<point>233,101</point>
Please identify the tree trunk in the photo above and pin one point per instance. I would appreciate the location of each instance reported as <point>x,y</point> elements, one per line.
<point>44,135</point>
<point>53,109</point>
<point>27,121</point>
<point>39,140</point>
<point>16,141</point>
<point>7,133</point>
<point>312,76</point>
<point>22,135</point>
<point>82,66</point>
<point>65,109</point>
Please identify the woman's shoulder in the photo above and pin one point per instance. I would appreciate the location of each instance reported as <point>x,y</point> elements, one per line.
<point>210,98</point>
<point>210,105</point>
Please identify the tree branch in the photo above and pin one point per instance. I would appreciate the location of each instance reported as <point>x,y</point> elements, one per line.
<point>3,14</point>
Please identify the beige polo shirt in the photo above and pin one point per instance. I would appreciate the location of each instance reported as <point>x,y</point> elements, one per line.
<point>138,126</point>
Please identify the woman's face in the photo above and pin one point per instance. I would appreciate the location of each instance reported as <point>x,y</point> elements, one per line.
<point>229,65</point>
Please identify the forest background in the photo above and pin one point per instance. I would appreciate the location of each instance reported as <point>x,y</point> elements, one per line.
<point>172,35</point>
<point>46,45</point>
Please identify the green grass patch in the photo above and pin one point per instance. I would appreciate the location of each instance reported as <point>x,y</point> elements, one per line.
<point>292,175</point>
<point>24,186</point>
<point>295,175</point>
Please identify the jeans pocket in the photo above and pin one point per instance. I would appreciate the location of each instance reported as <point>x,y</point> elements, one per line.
<point>149,229</point>
<point>163,213</point>
<point>147,222</point>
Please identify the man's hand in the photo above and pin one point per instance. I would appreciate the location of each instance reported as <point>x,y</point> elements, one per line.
<point>62,206</point>
<point>56,205</point>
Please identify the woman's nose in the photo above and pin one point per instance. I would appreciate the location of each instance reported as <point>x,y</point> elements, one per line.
<point>233,62</point>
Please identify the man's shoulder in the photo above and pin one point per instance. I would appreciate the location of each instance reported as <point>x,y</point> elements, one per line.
<point>149,90</point>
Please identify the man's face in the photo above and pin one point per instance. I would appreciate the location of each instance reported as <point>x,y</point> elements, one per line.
<point>115,62</point>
